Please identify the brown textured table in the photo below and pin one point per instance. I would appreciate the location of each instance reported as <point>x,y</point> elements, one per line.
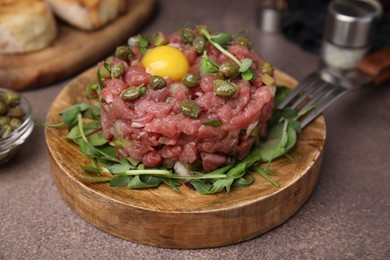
<point>347,216</point>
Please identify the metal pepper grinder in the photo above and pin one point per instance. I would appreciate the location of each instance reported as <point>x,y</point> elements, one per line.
<point>348,32</point>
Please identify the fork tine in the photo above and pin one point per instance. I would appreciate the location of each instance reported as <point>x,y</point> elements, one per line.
<point>316,87</point>
<point>323,103</point>
<point>327,88</point>
<point>302,85</point>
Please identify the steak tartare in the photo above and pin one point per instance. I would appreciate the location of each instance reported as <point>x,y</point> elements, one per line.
<point>197,110</point>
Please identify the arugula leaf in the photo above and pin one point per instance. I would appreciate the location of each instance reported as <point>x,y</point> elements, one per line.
<point>201,186</point>
<point>220,185</point>
<point>119,181</point>
<point>91,169</point>
<point>96,179</point>
<point>263,174</point>
<point>142,182</point>
<point>237,171</point>
<point>69,116</point>
<point>172,183</point>
<point>276,143</point>
<point>242,182</point>
<point>119,168</point>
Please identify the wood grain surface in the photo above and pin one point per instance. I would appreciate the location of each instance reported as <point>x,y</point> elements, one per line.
<point>164,218</point>
<point>73,50</point>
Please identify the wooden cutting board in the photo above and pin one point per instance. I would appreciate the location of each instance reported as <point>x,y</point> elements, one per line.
<point>73,50</point>
<point>163,218</point>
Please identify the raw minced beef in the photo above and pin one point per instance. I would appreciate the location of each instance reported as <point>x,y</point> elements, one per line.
<point>153,130</point>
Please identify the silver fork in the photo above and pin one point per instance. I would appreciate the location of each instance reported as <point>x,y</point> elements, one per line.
<point>321,88</point>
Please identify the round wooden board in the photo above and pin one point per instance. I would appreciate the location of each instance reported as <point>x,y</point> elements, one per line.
<point>164,218</point>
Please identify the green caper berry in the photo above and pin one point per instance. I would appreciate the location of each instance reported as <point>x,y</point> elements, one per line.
<point>117,70</point>
<point>109,59</point>
<point>186,35</point>
<point>241,40</point>
<point>16,112</point>
<point>267,68</point>
<point>124,53</point>
<point>3,108</point>
<point>217,75</point>
<point>133,93</point>
<point>199,44</point>
<point>15,123</point>
<point>159,39</point>
<point>157,82</point>
<point>224,88</point>
<point>12,99</point>
<point>189,108</point>
<point>6,130</point>
<point>203,29</point>
<point>228,69</point>
<point>191,80</point>
<point>4,120</point>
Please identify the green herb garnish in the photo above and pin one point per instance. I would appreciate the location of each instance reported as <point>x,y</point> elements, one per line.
<point>222,39</point>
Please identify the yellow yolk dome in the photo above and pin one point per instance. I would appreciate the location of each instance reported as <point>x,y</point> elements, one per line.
<point>166,61</point>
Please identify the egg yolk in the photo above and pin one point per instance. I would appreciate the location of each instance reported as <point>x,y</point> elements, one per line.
<point>166,61</point>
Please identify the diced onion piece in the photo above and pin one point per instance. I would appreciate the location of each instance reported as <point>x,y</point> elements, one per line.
<point>181,169</point>
<point>267,80</point>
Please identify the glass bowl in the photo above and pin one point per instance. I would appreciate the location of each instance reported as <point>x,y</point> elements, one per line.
<point>10,144</point>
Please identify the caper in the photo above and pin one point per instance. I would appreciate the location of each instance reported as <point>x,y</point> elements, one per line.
<point>104,73</point>
<point>267,68</point>
<point>199,44</point>
<point>124,53</point>
<point>228,69</point>
<point>15,123</point>
<point>16,112</point>
<point>3,108</point>
<point>4,120</point>
<point>132,93</point>
<point>189,108</point>
<point>225,88</point>
<point>203,29</point>
<point>5,131</point>
<point>117,70</point>
<point>217,75</point>
<point>157,82</point>
<point>241,40</point>
<point>159,39</point>
<point>191,80</point>
<point>109,59</point>
<point>11,98</point>
<point>186,35</point>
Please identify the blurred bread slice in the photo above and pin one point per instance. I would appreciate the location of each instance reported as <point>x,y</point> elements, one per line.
<point>88,14</point>
<point>25,25</point>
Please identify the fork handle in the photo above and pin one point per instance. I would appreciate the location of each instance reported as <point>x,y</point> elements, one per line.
<point>377,65</point>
